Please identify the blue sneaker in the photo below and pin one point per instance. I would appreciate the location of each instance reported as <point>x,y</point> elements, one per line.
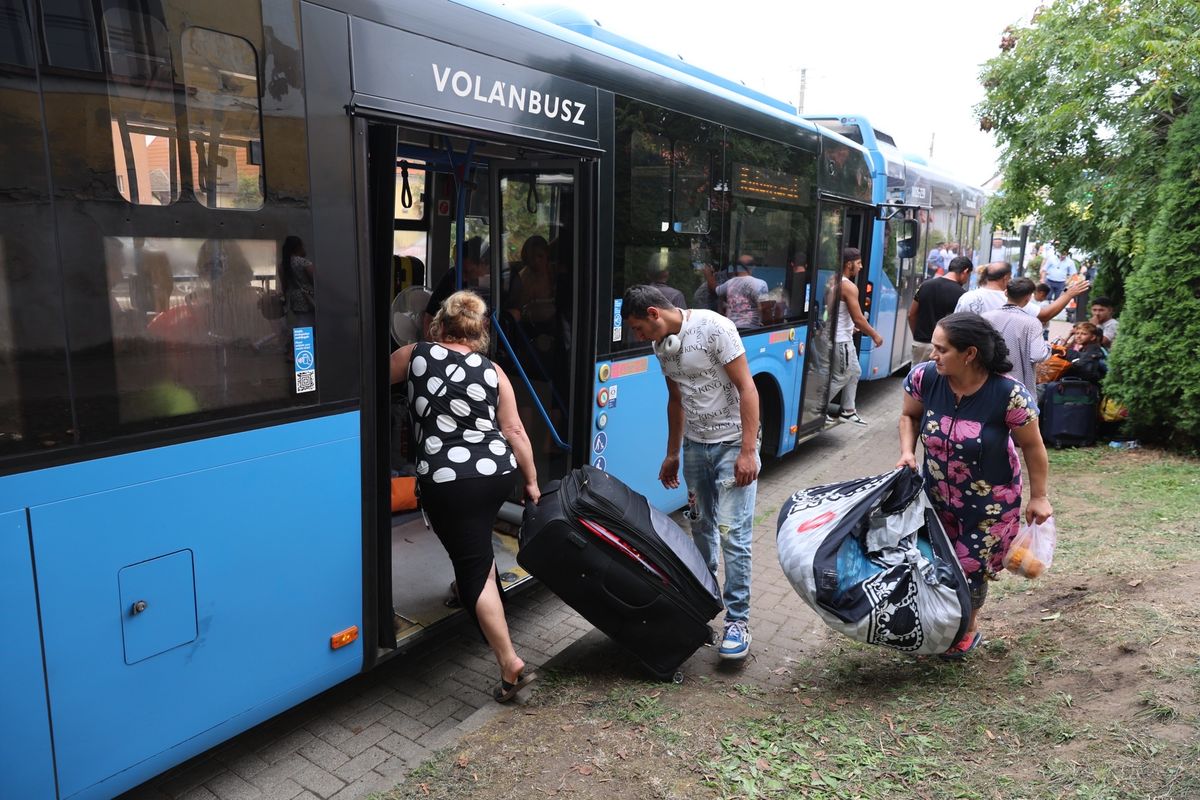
<point>735,643</point>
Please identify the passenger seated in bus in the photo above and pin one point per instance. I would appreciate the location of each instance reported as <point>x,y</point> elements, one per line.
<point>477,265</point>
<point>471,444</point>
<point>745,296</point>
<point>222,314</point>
<point>658,279</point>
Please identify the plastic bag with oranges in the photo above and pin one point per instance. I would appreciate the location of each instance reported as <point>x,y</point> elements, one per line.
<point>1032,551</point>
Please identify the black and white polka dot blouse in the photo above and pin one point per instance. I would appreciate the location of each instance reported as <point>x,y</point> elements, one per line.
<point>453,397</point>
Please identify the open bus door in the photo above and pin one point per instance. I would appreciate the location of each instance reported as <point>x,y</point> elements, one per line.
<point>841,226</point>
<point>536,269</point>
<point>430,197</point>
<point>903,233</point>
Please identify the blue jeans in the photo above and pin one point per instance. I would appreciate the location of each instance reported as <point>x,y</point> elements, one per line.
<point>724,511</point>
<point>1056,289</point>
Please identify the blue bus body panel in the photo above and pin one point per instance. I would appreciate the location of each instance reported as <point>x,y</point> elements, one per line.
<point>768,356</point>
<point>267,526</point>
<point>635,436</point>
<point>25,762</point>
<point>876,362</point>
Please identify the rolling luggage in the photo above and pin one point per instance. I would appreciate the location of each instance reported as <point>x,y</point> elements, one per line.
<point>1070,409</point>
<point>624,565</point>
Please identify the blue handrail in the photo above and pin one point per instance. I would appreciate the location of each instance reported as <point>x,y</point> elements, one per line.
<point>528,385</point>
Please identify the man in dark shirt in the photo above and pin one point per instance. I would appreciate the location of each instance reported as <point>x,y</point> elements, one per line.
<point>935,298</point>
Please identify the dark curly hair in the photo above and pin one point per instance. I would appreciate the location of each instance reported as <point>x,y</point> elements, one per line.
<point>967,329</point>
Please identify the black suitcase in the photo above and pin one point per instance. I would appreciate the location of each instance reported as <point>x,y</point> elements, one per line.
<point>624,565</point>
<point>1070,410</point>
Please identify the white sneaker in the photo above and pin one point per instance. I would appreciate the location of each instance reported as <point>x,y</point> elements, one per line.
<point>854,417</point>
<point>735,643</point>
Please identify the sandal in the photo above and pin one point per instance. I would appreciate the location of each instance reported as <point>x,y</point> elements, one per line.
<point>959,649</point>
<point>452,599</point>
<point>506,691</point>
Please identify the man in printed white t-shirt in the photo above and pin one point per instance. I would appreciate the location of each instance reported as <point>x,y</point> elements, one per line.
<point>712,412</point>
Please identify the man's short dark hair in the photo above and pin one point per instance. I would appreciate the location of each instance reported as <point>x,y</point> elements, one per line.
<point>959,264</point>
<point>1102,301</point>
<point>850,254</point>
<point>1043,287</point>
<point>997,271</point>
<point>1019,289</point>
<point>640,298</point>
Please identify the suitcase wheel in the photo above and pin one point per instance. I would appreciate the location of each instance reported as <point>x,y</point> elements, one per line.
<point>677,677</point>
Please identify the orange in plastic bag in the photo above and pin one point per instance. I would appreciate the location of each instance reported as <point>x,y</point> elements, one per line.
<point>404,494</point>
<point>1032,551</point>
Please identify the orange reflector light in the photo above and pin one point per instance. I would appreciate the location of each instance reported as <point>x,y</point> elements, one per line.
<point>343,638</point>
<point>794,428</point>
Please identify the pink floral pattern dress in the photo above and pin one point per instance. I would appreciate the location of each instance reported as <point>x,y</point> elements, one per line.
<point>972,472</point>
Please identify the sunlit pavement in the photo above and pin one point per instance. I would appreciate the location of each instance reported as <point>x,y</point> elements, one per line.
<point>367,734</point>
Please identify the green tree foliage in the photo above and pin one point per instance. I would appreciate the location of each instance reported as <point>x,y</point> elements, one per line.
<point>1081,101</point>
<point>1155,366</point>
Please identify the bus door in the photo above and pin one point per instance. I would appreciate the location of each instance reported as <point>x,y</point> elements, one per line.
<point>535,270</point>
<point>900,262</point>
<point>841,226</point>
<point>818,357</point>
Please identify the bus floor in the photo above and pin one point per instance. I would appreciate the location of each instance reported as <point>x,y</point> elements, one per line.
<point>421,574</point>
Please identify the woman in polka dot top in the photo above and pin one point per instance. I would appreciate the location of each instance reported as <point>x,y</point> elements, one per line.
<point>470,444</point>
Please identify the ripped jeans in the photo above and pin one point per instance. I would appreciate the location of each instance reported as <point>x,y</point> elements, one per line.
<point>724,515</point>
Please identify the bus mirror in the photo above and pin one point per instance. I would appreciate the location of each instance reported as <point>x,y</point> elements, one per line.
<point>909,240</point>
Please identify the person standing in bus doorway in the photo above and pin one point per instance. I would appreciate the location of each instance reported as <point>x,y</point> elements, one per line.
<point>846,369</point>
<point>935,298</point>
<point>712,413</point>
<point>470,445</point>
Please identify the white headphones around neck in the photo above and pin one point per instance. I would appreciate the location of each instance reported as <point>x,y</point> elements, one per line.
<point>668,346</point>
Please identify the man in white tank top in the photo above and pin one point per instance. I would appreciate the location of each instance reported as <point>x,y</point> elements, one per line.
<point>846,369</point>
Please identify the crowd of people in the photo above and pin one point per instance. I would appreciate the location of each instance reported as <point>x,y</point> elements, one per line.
<point>969,399</point>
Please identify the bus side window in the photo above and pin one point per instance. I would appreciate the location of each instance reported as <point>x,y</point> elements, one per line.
<point>141,102</point>
<point>220,73</point>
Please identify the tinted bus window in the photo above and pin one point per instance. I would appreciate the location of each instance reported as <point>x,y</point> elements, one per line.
<point>177,311</point>
<point>772,190</point>
<point>16,42</point>
<point>670,206</point>
<point>70,31</point>
<point>35,412</point>
<point>221,77</point>
<point>846,172</point>
<point>141,103</point>
<point>192,327</point>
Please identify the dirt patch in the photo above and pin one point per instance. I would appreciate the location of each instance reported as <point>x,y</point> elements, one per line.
<point>1088,687</point>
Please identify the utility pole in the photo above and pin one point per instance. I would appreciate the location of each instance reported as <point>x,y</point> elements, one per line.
<point>803,86</point>
<point>931,138</point>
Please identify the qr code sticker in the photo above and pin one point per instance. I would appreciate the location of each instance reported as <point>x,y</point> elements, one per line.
<point>306,381</point>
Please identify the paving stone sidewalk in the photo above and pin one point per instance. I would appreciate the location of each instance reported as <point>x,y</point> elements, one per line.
<point>365,735</point>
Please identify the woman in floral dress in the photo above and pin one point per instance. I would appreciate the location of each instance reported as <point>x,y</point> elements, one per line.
<point>967,412</point>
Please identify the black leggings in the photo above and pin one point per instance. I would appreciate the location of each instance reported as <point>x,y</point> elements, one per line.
<point>462,513</point>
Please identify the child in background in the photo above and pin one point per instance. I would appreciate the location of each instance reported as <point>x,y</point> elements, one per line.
<point>1088,359</point>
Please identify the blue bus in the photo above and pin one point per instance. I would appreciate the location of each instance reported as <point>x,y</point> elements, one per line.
<point>923,214</point>
<point>218,218</point>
